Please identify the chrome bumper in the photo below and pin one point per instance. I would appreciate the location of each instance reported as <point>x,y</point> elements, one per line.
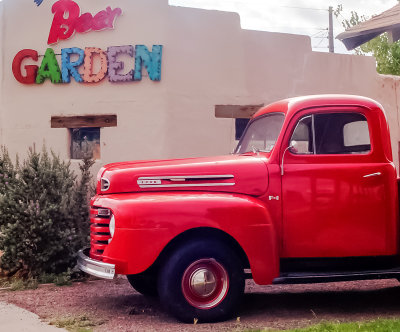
<point>93,267</point>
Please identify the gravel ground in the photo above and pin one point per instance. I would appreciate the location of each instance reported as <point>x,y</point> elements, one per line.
<point>115,306</point>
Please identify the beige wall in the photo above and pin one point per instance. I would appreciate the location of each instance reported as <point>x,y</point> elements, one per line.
<point>207,60</point>
<point>2,78</point>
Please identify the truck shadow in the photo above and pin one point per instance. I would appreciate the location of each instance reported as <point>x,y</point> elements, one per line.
<point>351,300</point>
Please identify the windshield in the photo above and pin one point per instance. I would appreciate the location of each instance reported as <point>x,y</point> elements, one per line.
<point>261,134</point>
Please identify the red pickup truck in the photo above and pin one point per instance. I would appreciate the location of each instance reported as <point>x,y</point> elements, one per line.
<point>310,195</point>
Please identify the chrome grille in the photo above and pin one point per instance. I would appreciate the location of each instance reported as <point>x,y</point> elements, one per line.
<point>99,232</point>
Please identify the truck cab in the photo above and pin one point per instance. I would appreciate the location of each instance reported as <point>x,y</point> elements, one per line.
<point>309,195</point>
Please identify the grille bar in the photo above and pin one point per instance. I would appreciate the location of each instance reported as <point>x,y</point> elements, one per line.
<point>94,229</point>
<point>98,220</point>
<point>99,237</point>
<point>99,233</point>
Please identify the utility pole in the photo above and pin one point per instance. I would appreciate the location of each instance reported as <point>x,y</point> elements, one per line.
<point>330,32</point>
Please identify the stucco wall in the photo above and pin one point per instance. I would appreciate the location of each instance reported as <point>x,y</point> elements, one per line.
<point>2,78</point>
<point>207,60</point>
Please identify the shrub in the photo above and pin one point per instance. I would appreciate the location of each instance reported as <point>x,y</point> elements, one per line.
<point>7,170</point>
<point>83,190</point>
<point>43,214</point>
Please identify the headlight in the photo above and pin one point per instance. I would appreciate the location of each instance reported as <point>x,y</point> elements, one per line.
<point>104,184</point>
<point>112,226</point>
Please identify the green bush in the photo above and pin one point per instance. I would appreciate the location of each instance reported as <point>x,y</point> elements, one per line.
<point>7,170</point>
<point>43,214</point>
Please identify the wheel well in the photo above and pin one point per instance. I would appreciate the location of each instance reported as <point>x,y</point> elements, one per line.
<point>201,233</point>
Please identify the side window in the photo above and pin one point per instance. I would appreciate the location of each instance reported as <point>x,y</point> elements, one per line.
<point>302,135</point>
<point>334,133</point>
<point>356,136</point>
<point>341,133</point>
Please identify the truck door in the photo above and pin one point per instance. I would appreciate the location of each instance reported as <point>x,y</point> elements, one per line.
<point>335,194</point>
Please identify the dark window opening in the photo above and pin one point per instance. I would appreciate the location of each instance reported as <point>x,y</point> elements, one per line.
<point>240,126</point>
<point>241,114</point>
<point>341,133</point>
<point>85,143</point>
<point>334,133</point>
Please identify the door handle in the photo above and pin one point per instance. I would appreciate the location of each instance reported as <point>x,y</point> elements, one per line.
<point>373,174</point>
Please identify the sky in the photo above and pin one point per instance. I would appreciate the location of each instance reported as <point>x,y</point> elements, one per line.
<point>306,17</point>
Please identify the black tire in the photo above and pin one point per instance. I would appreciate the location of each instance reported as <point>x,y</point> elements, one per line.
<point>145,284</point>
<point>192,282</point>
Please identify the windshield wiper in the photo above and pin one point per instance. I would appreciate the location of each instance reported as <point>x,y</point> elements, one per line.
<point>257,150</point>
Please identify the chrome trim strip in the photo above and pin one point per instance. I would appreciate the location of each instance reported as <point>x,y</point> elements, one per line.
<point>373,174</point>
<point>142,181</point>
<point>176,177</point>
<point>148,182</point>
<point>94,267</point>
<point>188,185</point>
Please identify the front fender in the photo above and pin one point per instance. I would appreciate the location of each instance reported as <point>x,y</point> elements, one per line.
<point>146,223</point>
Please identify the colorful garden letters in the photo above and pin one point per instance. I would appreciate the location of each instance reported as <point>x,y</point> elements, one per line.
<point>109,63</point>
<point>78,63</point>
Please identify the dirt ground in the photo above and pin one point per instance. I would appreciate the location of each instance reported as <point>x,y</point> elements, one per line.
<point>115,306</point>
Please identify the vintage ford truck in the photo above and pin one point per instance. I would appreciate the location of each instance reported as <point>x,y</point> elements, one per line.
<point>310,195</point>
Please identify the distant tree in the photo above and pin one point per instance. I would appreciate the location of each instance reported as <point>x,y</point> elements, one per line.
<point>387,54</point>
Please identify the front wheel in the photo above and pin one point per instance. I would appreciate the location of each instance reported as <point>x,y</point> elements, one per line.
<point>201,280</point>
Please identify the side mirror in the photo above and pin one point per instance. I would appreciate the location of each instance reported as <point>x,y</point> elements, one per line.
<point>292,148</point>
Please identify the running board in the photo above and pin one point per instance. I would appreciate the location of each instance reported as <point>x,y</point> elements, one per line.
<point>320,277</point>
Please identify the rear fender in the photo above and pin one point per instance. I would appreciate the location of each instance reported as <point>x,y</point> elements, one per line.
<point>147,223</point>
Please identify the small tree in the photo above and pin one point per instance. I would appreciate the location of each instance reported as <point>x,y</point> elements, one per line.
<point>43,215</point>
<point>83,190</point>
<point>387,54</point>
<point>7,170</point>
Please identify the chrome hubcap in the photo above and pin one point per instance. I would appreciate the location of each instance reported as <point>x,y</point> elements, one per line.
<point>203,282</point>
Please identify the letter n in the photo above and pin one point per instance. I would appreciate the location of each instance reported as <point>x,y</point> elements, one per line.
<point>150,60</point>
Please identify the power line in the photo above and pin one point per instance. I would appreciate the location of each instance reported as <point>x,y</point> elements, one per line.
<point>330,29</point>
<point>306,8</point>
<point>341,23</point>
<point>315,35</point>
<point>340,15</point>
<point>320,42</point>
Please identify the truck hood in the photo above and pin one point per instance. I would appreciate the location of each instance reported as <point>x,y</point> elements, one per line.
<point>245,174</point>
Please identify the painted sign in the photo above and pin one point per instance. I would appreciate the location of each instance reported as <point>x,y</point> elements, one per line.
<point>68,20</point>
<point>109,63</point>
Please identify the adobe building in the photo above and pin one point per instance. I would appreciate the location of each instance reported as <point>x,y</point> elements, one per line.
<point>140,79</point>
